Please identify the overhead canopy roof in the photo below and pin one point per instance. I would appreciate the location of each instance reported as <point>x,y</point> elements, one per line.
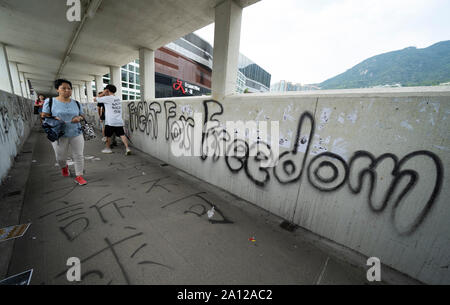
<point>45,44</point>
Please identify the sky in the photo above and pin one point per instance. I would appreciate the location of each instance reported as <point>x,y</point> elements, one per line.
<point>310,41</point>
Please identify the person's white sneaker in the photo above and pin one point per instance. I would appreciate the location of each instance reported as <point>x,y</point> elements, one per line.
<point>128,152</point>
<point>107,151</point>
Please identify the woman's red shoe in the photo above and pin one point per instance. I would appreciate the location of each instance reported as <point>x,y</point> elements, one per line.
<point>65,171</point>
<point>80,180</point>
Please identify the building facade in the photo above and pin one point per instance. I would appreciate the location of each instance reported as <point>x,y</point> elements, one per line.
<point>285,86</point>
<point>256,78</point>
<point>184,68</point>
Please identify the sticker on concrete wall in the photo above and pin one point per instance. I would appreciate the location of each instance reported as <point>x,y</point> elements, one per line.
<point>21,279</point>
<point>13,232</point>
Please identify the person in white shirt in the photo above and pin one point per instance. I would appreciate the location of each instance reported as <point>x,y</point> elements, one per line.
<point>113,117</point>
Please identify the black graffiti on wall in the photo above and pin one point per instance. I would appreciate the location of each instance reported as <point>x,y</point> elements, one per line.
<point>291,165</point>
<point>15,112</point>
<point>144,117</point>
<point>290,170</point>
<point>5,123</point>
<point>336,164</point>
<point>169,107</point>
<point>179,131</point>
<point>240,155</point>
<point>24,108</point>
<point>212,130</point>
<point>395,188</point>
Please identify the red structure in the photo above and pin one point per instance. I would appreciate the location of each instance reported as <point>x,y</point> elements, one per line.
<point>177,75</point>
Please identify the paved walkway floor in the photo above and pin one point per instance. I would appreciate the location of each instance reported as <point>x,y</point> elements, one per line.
<point>139,221</point>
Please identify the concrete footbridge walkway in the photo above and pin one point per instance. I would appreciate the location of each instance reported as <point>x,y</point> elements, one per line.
<point>314,187</point>
<point>140,221</point>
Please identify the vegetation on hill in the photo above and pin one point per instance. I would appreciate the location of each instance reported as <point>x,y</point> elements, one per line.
<point>408,67</point>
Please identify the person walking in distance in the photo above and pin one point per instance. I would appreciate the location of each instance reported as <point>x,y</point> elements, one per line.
<point>101,114</point>
<point>40,104</point>
<point>64,108</point>
<point>113,117</point>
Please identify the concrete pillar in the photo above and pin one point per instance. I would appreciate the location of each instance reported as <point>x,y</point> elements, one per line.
<point>227,34</point>
<point>99,83</point>
<point>76,92</point>
<point>20,81</point>
<point>147,74</point>
<point>116,80</point>
<point>34,95</point>
<point>80,97</point>
<point>31,93</point>
<point>89,92</point>
<point>23,84</point>
<point>27,87</point>
<point>83,98</point>
<point>15,78</point>
<point>6,83</point>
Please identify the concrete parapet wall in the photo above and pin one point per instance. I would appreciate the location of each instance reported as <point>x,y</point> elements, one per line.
<point>367,169</point>
<point>16,121</point>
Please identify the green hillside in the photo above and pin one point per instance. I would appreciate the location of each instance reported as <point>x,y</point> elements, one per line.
<point>408,67</point>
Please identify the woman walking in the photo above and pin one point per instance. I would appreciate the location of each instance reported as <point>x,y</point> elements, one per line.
<point>40,104</point>
<point>64,108</point>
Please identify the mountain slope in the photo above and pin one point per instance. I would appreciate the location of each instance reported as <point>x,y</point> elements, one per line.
<point>408,67</point>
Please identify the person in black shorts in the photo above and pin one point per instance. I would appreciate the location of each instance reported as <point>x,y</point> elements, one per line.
<point>101,114</point>
<point>113,117</point>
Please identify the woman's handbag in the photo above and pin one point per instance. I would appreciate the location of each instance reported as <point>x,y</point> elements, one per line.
<point>53,128</point>
<point>88,131</point>
<point>36,109</point>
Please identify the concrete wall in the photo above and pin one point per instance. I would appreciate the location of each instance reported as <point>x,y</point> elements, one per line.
<point>369,170</point>
<point>16,121</point>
